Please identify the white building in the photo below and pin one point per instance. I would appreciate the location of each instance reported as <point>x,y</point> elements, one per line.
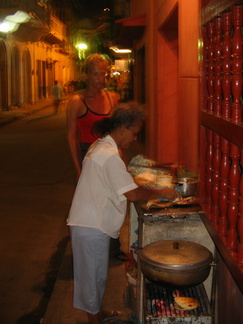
<point>34,51</point>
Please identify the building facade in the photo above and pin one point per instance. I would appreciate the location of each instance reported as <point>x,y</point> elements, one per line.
<point>188,73</point>
<point>33,54</point>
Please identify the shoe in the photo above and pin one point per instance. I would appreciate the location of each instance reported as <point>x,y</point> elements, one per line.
<point>109,315</point>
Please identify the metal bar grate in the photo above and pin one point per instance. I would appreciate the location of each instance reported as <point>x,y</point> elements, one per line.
<point>159,301</point>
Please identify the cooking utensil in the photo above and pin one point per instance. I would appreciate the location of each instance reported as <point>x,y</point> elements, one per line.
<point>175,262</point>
<point>187,187</point>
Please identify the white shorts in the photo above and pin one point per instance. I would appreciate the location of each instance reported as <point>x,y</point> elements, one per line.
<point>90,249</point>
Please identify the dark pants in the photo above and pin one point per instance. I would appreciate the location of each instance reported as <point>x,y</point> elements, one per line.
<point>115,247</point>
<point>56,104</point>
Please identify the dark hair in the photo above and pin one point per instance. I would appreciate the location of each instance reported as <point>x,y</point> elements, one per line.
<point>126,114</point>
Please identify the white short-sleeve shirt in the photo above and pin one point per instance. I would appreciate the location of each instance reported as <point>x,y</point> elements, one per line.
<point>99,200</point>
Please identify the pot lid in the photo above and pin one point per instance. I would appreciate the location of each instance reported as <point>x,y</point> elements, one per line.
<point>176,254</point>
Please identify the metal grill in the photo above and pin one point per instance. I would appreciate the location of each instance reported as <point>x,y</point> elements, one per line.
<point>159,305</point>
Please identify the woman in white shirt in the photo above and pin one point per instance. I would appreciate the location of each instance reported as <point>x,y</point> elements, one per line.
<point>99,205</point>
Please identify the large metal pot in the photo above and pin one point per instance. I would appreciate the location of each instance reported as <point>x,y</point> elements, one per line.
<point>175,262</point>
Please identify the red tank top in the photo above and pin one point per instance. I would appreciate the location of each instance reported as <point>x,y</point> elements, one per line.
<point>85,123</point>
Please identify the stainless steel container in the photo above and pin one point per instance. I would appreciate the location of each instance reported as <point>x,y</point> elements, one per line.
<point>187,187</point>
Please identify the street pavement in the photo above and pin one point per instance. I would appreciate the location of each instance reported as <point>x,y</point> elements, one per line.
<point>37,182</point>
<point>118,295</point>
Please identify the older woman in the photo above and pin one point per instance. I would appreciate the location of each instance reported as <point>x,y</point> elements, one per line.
<point>99,205</point>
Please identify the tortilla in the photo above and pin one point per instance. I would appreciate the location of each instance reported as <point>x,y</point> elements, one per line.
<point>185,303</point>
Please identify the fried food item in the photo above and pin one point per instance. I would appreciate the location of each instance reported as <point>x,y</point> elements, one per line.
<point>164,181</point>
<point>145,179</point>
<point>158,203</point>
<point>184,201</point>
<point>185,303</point>
<point>150,180</point>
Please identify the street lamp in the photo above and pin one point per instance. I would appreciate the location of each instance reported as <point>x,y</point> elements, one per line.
<point>82,47</point>
<point>11,23</point>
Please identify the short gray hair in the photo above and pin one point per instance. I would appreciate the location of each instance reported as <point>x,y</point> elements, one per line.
<point>127,114</point>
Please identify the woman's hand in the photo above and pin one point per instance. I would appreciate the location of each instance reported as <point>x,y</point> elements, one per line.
<point>167,193</point>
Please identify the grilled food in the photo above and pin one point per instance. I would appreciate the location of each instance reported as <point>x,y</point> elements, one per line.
<point>185,303</point>
<point>158,203</point>
<point>184,201</point>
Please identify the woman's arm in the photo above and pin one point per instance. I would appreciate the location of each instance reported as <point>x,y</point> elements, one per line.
<point>74,110</point>
<point>142,194</point>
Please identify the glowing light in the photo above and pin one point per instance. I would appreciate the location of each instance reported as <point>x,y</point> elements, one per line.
<point>7,27</point>
<point>19,17</point>
<point>82,46</point>
<point>123,50</point>
<point>12,22</point>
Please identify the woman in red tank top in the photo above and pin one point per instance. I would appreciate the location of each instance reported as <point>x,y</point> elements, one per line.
<point>85,108</point>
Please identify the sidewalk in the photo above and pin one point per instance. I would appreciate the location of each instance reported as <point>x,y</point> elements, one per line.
<point>7,117</point>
